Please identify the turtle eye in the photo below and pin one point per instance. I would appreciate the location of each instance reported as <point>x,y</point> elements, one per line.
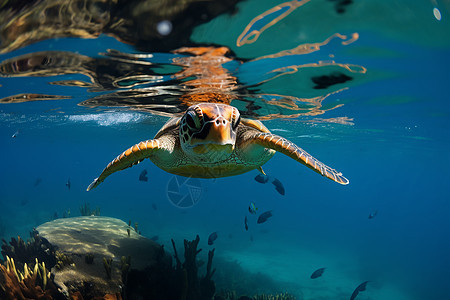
<point>235,119</point>
<point>192,120</point>
<point>236,122</point>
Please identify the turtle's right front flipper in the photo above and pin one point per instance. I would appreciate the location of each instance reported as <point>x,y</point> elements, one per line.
<point>128,158</point>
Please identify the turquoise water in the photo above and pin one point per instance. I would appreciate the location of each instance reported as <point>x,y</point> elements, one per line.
<point>386,129</point>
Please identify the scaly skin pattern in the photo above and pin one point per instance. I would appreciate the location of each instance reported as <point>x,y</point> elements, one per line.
<point>224,145</point>
<point>128,158</point>
<point>290,149</point>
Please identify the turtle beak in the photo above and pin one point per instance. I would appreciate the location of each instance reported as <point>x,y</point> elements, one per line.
<point>220,138</point>
<point>220,132</point>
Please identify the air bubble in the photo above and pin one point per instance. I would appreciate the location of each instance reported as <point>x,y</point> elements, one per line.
<point>164,27</point>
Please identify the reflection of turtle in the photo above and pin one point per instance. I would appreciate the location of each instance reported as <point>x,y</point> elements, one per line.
<point>212,140</point>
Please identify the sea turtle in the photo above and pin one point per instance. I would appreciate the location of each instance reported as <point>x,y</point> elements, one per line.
<point>212,140</point>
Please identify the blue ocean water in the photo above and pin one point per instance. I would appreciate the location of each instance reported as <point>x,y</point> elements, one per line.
<point>386,129</point>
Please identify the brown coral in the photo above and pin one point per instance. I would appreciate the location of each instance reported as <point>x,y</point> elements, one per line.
<point>15,285</point>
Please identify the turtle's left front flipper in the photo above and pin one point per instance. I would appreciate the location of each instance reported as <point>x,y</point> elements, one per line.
<point>128,158</point>
<point>290,149</point>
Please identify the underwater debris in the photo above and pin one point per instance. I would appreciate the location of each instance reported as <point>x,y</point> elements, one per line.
<point>32,283</point>
<point>85,210</point>
<point>36,247</point>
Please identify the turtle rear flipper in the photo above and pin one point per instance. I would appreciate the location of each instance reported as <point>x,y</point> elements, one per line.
<point>290,149</point>
<point>128,158</point>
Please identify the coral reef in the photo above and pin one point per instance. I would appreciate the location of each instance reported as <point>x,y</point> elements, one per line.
<point>284,296</point>
<point>97,258</point>
<point>63,260</point>
<point>193,288</point>
<point>96,246</point>
<point>232,296</point>
<point>36,247</point>
<point>107,264</point>
<point>163,281</point>
<point>32,283</point>
<point>85,210</point>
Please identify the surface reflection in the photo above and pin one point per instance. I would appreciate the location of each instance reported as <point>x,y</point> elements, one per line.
<point>136,22</point>
<point>168,83</point>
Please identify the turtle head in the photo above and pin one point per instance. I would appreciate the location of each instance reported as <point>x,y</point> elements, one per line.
<point>208,131</point>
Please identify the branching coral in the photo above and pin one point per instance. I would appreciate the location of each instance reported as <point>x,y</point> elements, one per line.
<point>33,283</point>
<point>63,260</point>
<point>36,247</point>
<point>284,296</point>
<point>85,210</point>
<point>191,286</point>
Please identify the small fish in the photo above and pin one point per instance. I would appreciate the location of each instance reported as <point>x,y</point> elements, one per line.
<point>154,238</point>
<point>16,133</point>
<point>264,217</point>
<point>246,223</point>
<point>154,206</point>
<point>68,183</point>
<point>360,288</point>
<point>261,178</point>
<point>278,186</point>
<point>37,181</point>
<point>317,273</point>
<point>143,176</point>
<point>373,215</point>
<point>252,208</point>
<point>212,237</point>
